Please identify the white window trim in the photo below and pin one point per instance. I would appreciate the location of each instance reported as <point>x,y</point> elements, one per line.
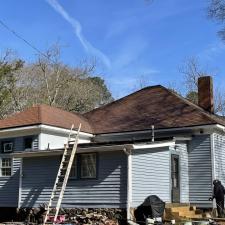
<point>5,157</point>
<point>8,143</point>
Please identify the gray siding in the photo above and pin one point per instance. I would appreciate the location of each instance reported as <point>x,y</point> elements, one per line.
<point>18,143</point>
<point>200,170</point>
<point>219,155</point>
<point>184,176</point>
<point>108,190</point>
<point>9,186</point>
<point>150,174</point>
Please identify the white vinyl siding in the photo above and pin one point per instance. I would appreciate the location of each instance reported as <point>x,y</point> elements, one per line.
<point>150,174</point>
<point>200,171</point>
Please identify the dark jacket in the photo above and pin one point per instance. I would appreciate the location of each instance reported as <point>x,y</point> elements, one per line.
<point>218,190</point>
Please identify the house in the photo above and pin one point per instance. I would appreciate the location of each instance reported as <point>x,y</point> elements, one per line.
<point>150,142</point>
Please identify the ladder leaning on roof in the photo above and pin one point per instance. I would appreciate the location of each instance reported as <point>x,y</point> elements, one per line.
<point>63,174</point>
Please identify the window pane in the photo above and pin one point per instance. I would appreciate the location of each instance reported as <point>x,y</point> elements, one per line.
<point>28,142</point>
<point>6,162</point>
<point>6,171</point>
<point>73,172</point>
<point>88,166</point>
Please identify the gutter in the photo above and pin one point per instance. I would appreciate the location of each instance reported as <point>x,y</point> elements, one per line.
<point>103,148</point>
<point>198,127</point>
<point>53,152</point>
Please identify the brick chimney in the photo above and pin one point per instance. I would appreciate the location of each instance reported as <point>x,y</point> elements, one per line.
<point>205,93</point>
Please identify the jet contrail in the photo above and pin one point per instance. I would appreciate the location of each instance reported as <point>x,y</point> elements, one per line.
<point>78,31</point>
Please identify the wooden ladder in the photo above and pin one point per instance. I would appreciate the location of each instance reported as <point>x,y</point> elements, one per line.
<point>63,174</point>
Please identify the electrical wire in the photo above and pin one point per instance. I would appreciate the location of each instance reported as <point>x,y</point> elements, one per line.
<point>23,39</point>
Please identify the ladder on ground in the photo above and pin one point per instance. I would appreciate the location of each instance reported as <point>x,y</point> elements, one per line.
<point>63,174</point>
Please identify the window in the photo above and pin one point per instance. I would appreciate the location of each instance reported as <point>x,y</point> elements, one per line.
<point>73,172</point>
<point>88,165</point>
<point>175,172</point>
<point>84,166</point>
<point>28,142</point>
<point>6,167</point>
<point>7,146</point>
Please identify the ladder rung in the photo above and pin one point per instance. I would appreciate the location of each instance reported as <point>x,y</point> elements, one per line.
<point>63,173</point>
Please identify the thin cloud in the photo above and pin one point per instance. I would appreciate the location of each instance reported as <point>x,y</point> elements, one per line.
<point>78,32</point>
<point>212,51</point>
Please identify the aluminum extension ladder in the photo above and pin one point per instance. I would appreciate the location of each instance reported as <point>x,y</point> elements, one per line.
<point>63,174</point>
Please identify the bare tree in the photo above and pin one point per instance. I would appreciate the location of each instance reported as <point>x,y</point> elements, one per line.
<point>48,80</point>
<point>191,71</point>
<point>216,11</point>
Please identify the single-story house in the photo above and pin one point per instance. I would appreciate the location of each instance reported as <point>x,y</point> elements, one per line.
<point>150,142</point>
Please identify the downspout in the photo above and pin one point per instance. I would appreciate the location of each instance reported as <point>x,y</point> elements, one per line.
<point>129,181</point>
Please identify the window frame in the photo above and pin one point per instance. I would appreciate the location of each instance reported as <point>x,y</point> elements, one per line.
<point>96,166</point>
<point>11,166</point>
<point>78,167</point>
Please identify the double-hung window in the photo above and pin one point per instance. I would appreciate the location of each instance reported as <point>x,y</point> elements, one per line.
<point>6,167</point>
<point>84,166</point>
<point>88,165</point>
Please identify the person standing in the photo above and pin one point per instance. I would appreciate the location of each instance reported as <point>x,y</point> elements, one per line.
<point>218,194</point>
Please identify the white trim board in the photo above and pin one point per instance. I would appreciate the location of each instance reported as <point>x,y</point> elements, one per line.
<point>34,129</point>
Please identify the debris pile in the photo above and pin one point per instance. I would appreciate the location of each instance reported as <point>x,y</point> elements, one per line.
<point>77,216</point>
<point>95,216</point>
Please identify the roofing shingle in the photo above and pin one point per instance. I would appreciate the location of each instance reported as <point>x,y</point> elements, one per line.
<point>48,115</point>
<point>154,105</point>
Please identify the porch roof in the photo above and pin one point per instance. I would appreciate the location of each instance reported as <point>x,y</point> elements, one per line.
<point>96,148</point>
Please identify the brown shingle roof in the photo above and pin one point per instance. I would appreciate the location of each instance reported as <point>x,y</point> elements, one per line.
<point>154,105</point>
<point>44,114</point>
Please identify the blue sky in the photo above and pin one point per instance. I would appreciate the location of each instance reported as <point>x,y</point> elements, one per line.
<point>132,39</point>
